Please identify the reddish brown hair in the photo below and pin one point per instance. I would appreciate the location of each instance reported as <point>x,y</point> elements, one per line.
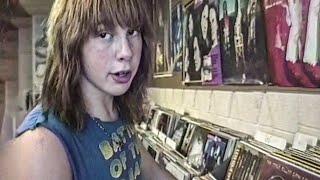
<point>69,26</point>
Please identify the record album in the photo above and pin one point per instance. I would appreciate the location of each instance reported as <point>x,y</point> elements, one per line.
<point>179,133</point>
<point>196,147</point>
<point>201,47</point>
<point>276,169</point>
<point>244,57</point>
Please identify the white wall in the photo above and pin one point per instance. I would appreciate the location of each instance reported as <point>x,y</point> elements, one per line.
<point>280,114</point>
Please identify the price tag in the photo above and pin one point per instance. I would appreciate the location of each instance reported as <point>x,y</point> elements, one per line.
<point>171,143</point>
<point>162,136</point>
<point>301,141</point>
<point>274,141</point>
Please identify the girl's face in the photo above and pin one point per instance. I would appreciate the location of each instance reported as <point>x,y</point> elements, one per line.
<point>111,59</point>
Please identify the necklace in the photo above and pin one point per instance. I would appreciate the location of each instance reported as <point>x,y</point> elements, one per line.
<point>117,141</point>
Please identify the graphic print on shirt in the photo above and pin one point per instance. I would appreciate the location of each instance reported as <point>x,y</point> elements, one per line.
<point>118,142</point>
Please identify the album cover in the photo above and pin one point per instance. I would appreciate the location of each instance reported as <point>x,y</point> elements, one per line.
<point>165,122</point>
<point>163,63</point>
<point>242,32</point>
<point>311,56</point>
<point>192,55</point>
<point>179,132</point>
<point>187,139</point>
<point>211,70</point>
<point>288,36</point>
<point>202,58</point>
<point>150,115</point>
<point>214,152</point>
<point>177,36</point>
<point>196,147</point>
<point>154,118</point>
<point>298,11</point>
<point>276,169</point>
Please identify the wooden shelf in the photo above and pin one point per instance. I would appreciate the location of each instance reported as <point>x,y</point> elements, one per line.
<point>175,82</point>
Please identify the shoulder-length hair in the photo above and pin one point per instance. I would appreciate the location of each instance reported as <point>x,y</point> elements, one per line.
<point>69,25</point>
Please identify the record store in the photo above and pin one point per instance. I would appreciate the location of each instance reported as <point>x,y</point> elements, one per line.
<point>233,94</point>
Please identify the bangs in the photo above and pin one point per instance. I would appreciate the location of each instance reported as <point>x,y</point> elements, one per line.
<point>125,13</point>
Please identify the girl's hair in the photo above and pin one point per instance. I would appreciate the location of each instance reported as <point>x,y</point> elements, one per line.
<point>69,25</point>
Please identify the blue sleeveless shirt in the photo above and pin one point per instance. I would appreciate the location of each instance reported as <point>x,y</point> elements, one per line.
<point>92,154</point>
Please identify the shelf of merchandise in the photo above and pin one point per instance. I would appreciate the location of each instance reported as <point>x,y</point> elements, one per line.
<point>175,82</point>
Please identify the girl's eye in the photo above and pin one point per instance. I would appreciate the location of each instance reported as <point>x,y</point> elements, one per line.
<point>133,32</point>
<point>106,36</point>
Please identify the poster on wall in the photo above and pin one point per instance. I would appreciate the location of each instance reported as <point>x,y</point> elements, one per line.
<point>311,57</point>
<point>293,42</point>
<point>201,43</point>
<point>39,50</point>
<point>244,58</point>
<point>163,63</point>
<point>177,36</point>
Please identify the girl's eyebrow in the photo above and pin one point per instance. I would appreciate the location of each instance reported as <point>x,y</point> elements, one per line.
<point>101,27</point>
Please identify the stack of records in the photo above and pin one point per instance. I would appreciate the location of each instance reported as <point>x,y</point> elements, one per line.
<point>254,160</point>
<point>315,151</point>
<point>275,168</point>
<point>246,162</point>
<point>301,160</point>
<point>152,147</point>
<point>178,171</point>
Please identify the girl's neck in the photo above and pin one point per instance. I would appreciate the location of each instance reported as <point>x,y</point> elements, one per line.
<point>98,104</point>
